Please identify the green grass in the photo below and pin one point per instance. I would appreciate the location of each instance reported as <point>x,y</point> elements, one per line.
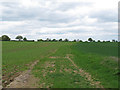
<point>61,78</point>
<point>17,54</point>
<point>57,77</point>
<point>102,48</point>
<point>98,59</point>
<point>94,58</point>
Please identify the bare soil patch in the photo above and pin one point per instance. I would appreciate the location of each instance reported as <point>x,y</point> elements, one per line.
<point>55,57</point>
<point>25,79</point>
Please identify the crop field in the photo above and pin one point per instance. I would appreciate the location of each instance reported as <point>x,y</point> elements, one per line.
<point>60,64</point>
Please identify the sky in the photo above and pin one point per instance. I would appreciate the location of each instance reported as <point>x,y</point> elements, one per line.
<point>71,19</point>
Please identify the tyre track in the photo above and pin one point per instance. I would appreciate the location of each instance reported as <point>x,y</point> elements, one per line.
<point>25,79</point>
<point>82,73</point>
<point>85,74</point>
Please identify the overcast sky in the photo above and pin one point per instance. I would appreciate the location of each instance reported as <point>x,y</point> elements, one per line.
<point>72,19</point>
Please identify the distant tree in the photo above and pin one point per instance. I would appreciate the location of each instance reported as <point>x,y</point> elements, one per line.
<point>39,40</point>
<point>107,41</point>
<point>93,40</point>
<point>80,41</point>
<point>60,40</point>
<point>86,41</point>
<point>103,41</point>
<point>74,40</point>
<point>54,40</point>
<point>19,37</point>
<point>5,38</point>
<point>90,39</point>
<point>113,40</point>
<point>66,40</point>
<point>116,41</point>
<point>98,41</point>
<point>24,39</point>
<point>48,39</point>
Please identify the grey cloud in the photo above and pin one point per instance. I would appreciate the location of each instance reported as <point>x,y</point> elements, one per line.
<point>42,14</point>
<point>10,4</point>
<point>105,16</point>
<point>71,5</point>
<point>40,18</point>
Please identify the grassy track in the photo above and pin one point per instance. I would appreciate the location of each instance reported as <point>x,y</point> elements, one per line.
<point>55,70</point>
<point>59,72</point>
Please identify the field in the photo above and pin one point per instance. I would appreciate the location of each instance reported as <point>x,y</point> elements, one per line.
<point>61,64</point>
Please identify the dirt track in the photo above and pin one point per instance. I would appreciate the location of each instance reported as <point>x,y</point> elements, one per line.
<point>25,79</point>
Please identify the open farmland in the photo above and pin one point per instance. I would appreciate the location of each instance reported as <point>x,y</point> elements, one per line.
<point>61,64</point>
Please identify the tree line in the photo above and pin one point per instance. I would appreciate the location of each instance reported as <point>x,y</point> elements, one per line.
<point>21,38</point>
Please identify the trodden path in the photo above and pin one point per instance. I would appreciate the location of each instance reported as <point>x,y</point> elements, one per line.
<point>85,74</point>
<point>25,79</point>
<point>81,72</point>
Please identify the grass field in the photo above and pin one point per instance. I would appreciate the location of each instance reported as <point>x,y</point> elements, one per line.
<point>63,64</point>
